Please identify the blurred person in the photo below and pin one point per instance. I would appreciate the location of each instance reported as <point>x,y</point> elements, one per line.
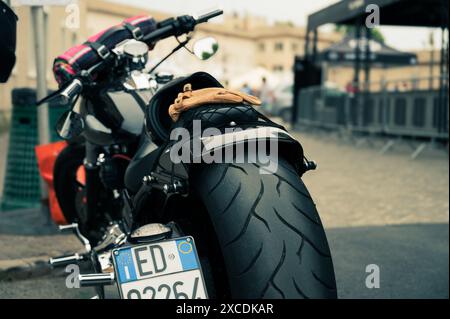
<point>351,88</point>
<point>247,89</point>
<point>405,86</point>
<point>266,96</point>
<point>396,87</point>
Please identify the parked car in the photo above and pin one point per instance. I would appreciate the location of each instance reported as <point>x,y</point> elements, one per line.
<point>282,103</point>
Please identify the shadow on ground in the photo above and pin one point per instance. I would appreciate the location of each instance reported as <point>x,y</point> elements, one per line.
<point>413,260</point>
<point>28,222</point>
<point>30,233</point>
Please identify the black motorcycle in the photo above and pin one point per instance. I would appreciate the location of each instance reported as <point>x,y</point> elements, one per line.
<point>139,208</point>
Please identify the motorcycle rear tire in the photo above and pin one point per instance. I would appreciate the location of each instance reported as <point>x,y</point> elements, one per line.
<point>270,234</point>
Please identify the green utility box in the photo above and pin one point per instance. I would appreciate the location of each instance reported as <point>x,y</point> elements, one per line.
<point>21,188</point>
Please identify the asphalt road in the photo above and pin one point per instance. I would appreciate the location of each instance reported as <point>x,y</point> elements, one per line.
<point>413,262</point>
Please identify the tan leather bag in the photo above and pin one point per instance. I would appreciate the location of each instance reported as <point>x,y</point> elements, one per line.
<point>189,99</point>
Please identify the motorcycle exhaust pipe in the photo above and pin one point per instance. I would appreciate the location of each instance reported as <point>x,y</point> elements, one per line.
<point>90,280</point>
<point>66,260</point>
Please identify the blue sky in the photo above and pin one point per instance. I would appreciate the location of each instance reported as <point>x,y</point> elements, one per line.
<point>284,10</point>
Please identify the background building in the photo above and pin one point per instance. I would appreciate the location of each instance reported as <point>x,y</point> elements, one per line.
<point>246,43</point>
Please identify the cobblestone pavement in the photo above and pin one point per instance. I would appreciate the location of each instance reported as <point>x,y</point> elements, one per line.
<point>353,187</point>
<point>357,186</point>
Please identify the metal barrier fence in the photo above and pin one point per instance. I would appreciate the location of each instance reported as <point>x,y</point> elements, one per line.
<point>413,113</point>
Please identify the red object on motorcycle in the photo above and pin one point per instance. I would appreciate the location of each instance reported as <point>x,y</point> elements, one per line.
<point>46,156</point>
<point>81,175</point>
<point>97,47</point>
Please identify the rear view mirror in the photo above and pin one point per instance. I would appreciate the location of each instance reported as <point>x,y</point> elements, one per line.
<point>205,48</point>
<point>70,125</point>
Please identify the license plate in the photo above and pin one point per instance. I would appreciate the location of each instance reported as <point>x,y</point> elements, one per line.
<point>163,270</point>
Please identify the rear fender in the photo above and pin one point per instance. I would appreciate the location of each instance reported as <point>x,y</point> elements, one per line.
<point>275,143</point>
<point>172,175</point>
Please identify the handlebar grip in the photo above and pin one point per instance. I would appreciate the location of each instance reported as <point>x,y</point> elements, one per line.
<point>71,91</point>
<point>208,16</point>
<point>179,26</point>
<point>161,33</point>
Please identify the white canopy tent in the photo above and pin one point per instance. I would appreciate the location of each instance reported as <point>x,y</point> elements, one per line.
<point>253,78</point>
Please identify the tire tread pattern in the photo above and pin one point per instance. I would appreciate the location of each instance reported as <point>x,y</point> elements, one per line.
<point>271,236</point>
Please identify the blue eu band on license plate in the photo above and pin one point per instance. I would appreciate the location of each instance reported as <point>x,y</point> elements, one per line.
<point>162,270</point>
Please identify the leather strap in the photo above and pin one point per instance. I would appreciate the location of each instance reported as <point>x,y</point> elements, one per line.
<point>102,51</point>
<point>189,99</point>
<point>135,31</point>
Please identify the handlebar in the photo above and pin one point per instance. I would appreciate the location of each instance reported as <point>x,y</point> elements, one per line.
<point>166,28</point>
<point>208,16</point>
<point>178,26</point>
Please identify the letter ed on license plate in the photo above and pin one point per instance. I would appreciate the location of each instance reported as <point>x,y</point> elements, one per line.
<point>167,269</point>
